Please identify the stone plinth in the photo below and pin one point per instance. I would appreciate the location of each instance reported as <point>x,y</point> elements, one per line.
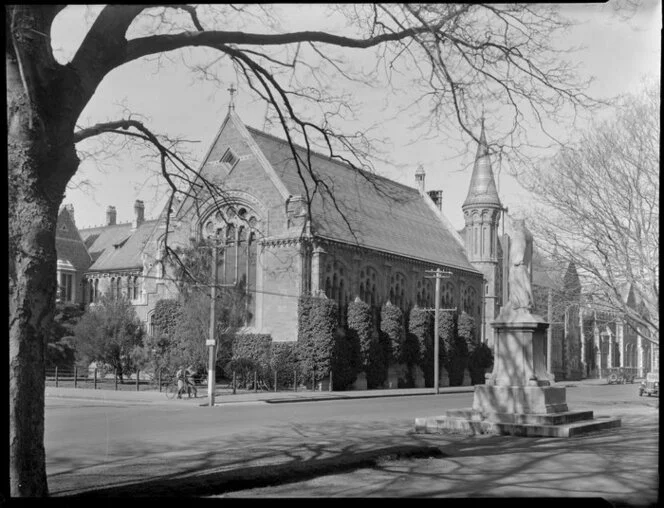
<point>519,350</point>
<point>519,399</point>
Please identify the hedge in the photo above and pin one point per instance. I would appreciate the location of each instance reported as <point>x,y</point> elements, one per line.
<point>420,332</point>
<point>392,328</point>
<point>254,347</point>
<point>454,350</point>
<point>283,361</point>
<point>360,328</point>
<point>317,326</point>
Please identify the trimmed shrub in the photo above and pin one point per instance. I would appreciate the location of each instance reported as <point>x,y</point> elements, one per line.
<point>479,362</point>
<point>420,333</point>
<point>468,336</point>
<point>317,327</point>
<point>360,330</point>
<point>454,351</point>
<point>392,328</point>
<point>254,347</point>
<point>283,361</point>
<point>345,360</point>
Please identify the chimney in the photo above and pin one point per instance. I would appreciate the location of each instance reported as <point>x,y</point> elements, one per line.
<point>419,178</point>
<point>111,215</point>
<point>437,198</point>
<point>70,209</point>
<point>139,213</point>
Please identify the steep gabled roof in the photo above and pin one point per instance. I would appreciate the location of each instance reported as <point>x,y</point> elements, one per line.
<point>382,214</point>
<point>69,244</point>
<point>117,247</point>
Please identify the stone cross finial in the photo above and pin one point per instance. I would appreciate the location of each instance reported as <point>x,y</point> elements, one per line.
<point>232,90</point>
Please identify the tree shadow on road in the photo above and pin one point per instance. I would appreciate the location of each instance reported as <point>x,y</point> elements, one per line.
<point>284,455</point>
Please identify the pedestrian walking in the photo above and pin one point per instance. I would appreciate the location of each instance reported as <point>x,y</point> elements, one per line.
<point>181,378</point>
<point>191,381</point>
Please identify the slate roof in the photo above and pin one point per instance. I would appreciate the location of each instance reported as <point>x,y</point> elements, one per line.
<point>69,245</point>
<point>117,247</point>
<point>382,214</point>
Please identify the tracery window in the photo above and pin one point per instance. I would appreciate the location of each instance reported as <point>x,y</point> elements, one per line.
<point>336,286</point>
<point>237,231</point>
<point>424,296</point>
<point>469,300</point>
<point>447,295</point>
<point>398,290</point>
<point>368,285</point>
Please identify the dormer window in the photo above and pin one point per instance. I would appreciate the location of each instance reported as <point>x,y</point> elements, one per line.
<point>230,158</point>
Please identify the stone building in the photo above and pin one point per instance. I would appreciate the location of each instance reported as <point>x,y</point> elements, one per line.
<point>373,238</point>
<point>370,237</point>
<point>73,258</point>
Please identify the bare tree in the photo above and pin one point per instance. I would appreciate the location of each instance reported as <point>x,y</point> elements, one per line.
<point>460,55</point>
<point>600,209</point>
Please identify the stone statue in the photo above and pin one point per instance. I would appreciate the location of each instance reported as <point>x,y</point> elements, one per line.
<point>521,257</point>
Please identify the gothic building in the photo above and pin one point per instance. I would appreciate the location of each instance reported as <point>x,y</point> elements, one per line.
<point>370,237</point>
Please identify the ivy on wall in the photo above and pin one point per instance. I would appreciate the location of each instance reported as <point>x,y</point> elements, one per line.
<point>166,313</point>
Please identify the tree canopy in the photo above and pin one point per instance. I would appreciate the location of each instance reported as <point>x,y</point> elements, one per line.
<point>457,57</point>
<point>599,209</point>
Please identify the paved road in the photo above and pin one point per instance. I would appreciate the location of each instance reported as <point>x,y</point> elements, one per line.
<point>105,446</point>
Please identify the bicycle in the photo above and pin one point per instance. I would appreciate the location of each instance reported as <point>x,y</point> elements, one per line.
<point>171,388</point>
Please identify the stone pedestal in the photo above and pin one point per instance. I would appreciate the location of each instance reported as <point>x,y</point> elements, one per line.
<point>518,398</point>
<point>520,351</point>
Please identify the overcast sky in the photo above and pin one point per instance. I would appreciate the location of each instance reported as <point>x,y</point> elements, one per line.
<point>617,53</point>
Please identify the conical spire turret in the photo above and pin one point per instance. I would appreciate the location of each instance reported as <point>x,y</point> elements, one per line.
<point>482,190</point>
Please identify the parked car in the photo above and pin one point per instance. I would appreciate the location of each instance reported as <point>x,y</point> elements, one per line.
<point>650,386</point>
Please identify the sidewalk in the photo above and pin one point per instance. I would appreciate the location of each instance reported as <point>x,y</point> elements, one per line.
<point>224,396</point>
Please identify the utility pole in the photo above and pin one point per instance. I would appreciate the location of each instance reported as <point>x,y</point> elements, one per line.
<point>211,342</point>
<point>437,274</point>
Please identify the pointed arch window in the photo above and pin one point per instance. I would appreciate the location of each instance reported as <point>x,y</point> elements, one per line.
<point>336,287</point>
<point>368,285</point>
<point>424,297</point>
<point>398,290</point>
<point>237,230</point>
<point>447,295</point>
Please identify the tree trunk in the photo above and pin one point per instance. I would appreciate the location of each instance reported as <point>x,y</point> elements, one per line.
<point>40,164</point>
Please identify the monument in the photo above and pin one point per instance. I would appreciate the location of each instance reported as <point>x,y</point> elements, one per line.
<point>518,397</point>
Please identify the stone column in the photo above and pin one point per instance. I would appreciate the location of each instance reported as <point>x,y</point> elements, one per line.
<point>549,334</point>
<point>598,351</point>
<point>620,329</point>
<point>609,339</point>
<point>584,372</point>
<point>639,354</point>
<point>316,269</point>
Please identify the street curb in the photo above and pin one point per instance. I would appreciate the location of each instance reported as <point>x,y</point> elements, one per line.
<point>351,397</point>
<point>263,475</point>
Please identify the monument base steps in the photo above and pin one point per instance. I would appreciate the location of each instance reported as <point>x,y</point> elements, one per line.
<point>477,425</point>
